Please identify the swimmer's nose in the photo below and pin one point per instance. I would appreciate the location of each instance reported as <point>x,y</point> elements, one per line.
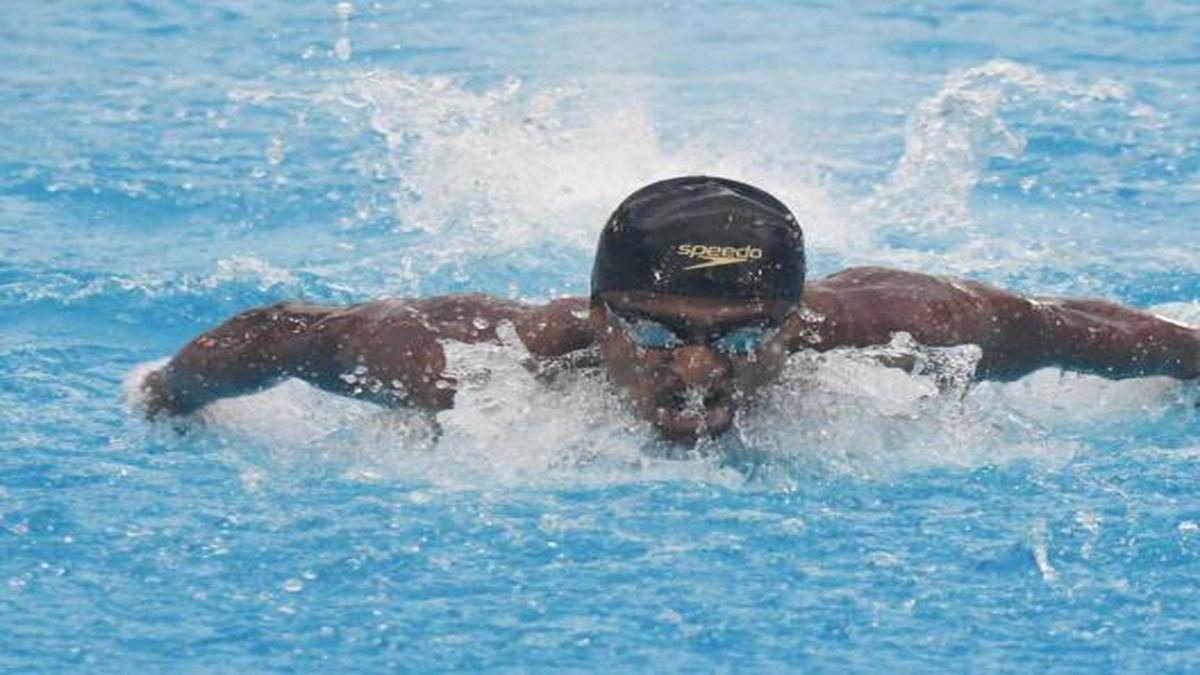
<point>698,364</point>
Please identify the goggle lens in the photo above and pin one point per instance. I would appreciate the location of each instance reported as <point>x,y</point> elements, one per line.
<point>743,341</point>
<point>647,333</point>
<point>651,334</point>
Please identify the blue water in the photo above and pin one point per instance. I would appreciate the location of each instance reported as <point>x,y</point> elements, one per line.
<point>166,164</point>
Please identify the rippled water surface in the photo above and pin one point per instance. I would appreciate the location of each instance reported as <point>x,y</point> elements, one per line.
<point>166,164</point>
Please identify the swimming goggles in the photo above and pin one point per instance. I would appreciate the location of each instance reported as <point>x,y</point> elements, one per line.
<point>651,334</point>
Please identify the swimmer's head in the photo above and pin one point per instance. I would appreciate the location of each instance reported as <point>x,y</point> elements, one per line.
<point>701,237</point>
<point>694,281</point>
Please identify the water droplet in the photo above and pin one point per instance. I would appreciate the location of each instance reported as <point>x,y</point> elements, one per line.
<point>275,151</point>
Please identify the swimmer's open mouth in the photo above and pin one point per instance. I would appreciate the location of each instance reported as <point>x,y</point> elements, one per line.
<point>692,412</point>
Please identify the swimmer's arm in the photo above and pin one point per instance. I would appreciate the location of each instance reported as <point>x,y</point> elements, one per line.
<point>387,352</point>
<point>1117,342</point>
<point>863,307</point>
<point>246,354</point>
<point>1019,335</point>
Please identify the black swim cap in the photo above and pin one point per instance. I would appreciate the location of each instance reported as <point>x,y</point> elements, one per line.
<point>699,236</point>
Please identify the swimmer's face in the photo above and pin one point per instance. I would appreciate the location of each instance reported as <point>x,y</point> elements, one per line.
<point>686,364</point>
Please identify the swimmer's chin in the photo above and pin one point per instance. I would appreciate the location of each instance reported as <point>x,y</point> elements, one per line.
<point>684,428</point>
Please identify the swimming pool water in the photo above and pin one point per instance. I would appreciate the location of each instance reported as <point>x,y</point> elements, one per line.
<point>164,165</point>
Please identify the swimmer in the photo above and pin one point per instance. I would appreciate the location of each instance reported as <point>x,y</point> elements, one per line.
<point>698,295</point>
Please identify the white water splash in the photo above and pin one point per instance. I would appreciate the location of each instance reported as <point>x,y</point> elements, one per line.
<point>342,48</point>
<point>842,412</point>
<point>1039,544</point>
<point>506,168</point>
<point>499,170</point>
<point>951,135</point>
<point>1187,313</point>
<point>249,268</point>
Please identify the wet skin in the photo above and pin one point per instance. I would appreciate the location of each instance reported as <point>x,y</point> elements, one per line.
<point>694,389</point>
<point>390,352</point>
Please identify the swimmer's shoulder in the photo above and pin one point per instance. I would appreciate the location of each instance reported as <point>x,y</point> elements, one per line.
<point>882,285</point>
<point>875,277</point>
<point>439,310</point>
<point>856,294</point>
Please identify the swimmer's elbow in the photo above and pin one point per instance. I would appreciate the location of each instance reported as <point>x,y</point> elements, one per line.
<point>1016,342</point>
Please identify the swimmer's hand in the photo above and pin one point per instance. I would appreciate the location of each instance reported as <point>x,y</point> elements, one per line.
<point>154,403</point>
<point>157,402</point>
